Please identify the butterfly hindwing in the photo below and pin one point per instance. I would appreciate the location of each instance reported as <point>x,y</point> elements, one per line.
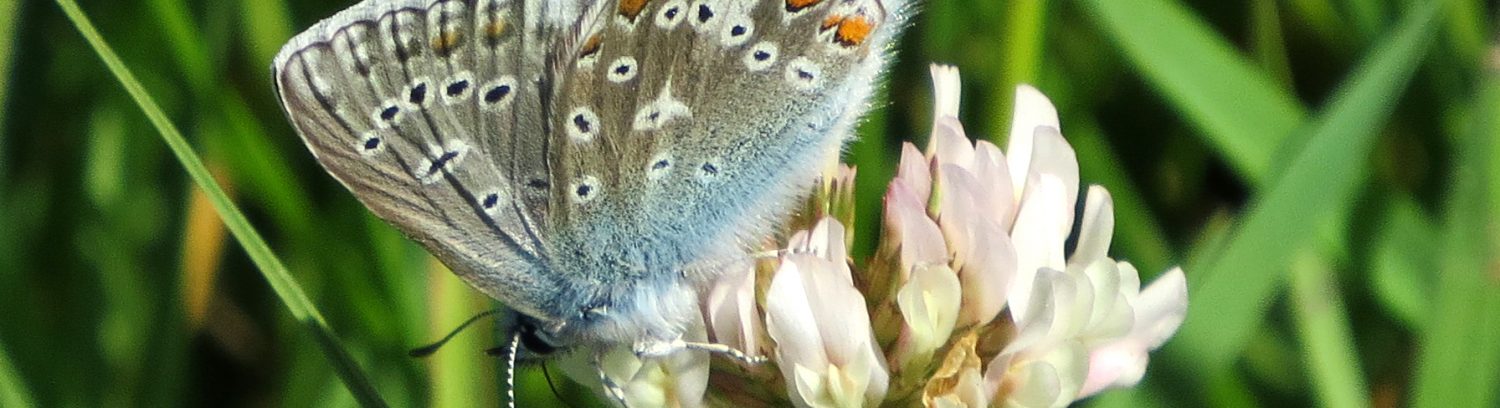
<point>679,123</point>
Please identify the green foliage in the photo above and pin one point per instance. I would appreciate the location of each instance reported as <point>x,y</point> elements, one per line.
<point>1324,170</point>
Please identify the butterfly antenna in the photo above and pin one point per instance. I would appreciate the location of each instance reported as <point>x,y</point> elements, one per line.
<point>427,350</point>
<point>510,369</point>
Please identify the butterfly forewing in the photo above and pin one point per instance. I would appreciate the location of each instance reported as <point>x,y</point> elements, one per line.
<point>428,113</point>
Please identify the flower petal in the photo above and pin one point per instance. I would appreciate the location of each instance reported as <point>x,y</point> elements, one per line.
<point>1096,228</point>
<point>1039,236</point>
<point>915,171</point>
<point>731,311</point>
<point>950,144</point>
<point>1161,309</point>
<point>1032,110</point>
<point>990,168</point>
<point>929,304</point>
<point>1052,155</point>
<point>987,276</point>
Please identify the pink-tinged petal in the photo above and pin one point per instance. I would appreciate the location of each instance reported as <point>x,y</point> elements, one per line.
<point>1096,229</point>
<point>1051,155</point>
<point>920,239</point>
<point>1033,110</point>
<point>929,304</point>
<point>732,315</point>
<point>824,340</point>
<point>1039,236</point>
<point>986,277</point>
<point>790,321</point>
<point>1117,365</point>
<point>1161,308</point>
<point>950,144</point>
<point>992,171</point>
<point>959,209</point>
<point>1159,311</point>
<point>915,171</point>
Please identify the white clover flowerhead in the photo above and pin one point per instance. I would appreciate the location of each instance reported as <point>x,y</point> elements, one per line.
<point>972,299</point>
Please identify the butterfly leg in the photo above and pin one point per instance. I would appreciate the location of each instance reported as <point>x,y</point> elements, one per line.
<point>611,388</point>
<point>658,348</point>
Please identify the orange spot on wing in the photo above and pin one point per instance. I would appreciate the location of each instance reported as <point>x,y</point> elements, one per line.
<point>850,30</point>
<point>831,21</point>
<point>854,30</point>
<point>631,9</point>
<point>794,6</point>
<point>495,29</point>
<point>591,46</point>
<point>446,42</point>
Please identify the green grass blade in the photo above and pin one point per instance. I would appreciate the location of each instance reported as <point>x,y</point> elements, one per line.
<point>1405,253</point>
<point>1024,26</point>
<point>1243,112</point>
<point>265,260</point>
<point>1231,290</point>
<point>10,19</point>
<point>12,388</point>
<point>1460,347</point>
<point>1323,327</point>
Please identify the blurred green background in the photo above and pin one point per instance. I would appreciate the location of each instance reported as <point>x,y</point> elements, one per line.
<point>1325,171</point>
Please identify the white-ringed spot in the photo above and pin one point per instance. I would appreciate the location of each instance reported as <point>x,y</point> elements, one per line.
<point>585,189</point>
<point>659,166</point>
<point>623,69</point>
<point>583,124</point>
<point>804,74</point>
<point>760,56</point>
<point>671,14</point>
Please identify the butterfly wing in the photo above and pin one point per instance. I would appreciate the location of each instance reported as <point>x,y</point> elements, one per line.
<point>430,112</point>
<point>681,126</point>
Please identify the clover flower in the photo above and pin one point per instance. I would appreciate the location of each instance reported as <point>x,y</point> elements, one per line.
<point>972,298</point>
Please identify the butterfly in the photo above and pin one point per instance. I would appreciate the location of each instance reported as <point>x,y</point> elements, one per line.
<point>590,164</point>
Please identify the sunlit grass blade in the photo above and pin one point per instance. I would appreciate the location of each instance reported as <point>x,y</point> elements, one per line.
<point>1231,290</point>
<point>1025,22</point>
<point>1323,327</point>
<point>1241,110</point>
<point>12,388</point>
<point>1460,347</point>
<point>265,260</point>
<point>10,19</point>
<point>1404,255</point>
